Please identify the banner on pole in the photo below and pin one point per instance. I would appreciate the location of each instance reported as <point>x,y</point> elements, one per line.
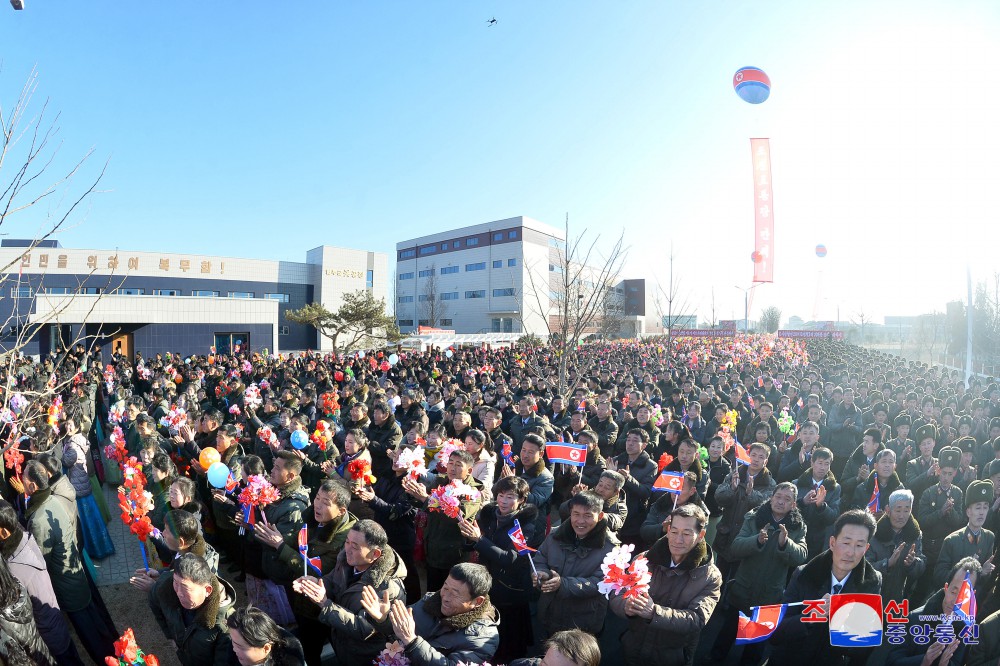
<point>763,204</point>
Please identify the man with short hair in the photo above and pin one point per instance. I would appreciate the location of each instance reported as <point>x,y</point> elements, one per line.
<point>525,421</point>
<point>566,648</point>
<point>973,540</point>
<point>191,606</point>
<point>842,569</point>
<point>282,519</point>
<point>940,605</point>
<point>940,511</point>
<point>21,553</point>
<point>52,521</point>
<point>366,560</point>
<point>456,624</point>
<point>665,623</point>
<point>640,472</point>
<point>568,565</point>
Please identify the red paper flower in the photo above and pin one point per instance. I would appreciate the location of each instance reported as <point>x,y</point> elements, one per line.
<point>361,470</point>
<point>664,460</point>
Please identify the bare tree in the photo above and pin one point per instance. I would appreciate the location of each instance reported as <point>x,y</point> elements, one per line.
<point>31,173</point>
<point>861,320</point>
<point>432,308</point>
<point>770,319</point>
<point>581,272</point>
<point>677,308</point>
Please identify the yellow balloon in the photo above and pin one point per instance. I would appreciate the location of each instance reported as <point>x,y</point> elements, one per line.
<point>209,456</point>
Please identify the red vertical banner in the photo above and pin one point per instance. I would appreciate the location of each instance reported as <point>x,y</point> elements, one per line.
<point>763,210</point>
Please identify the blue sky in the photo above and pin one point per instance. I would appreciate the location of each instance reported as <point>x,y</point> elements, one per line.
<point>264,129</point>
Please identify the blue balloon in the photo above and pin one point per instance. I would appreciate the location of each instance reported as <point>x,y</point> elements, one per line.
<point>218,474</point>
<point>752,85</point>
<point>300,439</point>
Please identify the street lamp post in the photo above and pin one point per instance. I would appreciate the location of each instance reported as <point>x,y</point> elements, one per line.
<point>746,305</point>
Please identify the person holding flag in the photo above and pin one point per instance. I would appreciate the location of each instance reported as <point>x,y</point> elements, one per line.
<point>366,560</point>
<point>531,467</point>
<point>683,490</point>
<point>320,541</point>
<point>873,494</point>
<point>958,599</point>
<point>770,544</point>
<point>746,488</point>
<point>500,536</point>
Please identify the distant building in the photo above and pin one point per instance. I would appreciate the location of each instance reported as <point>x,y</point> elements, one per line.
<point>498,277</point>
<point>153,302</point>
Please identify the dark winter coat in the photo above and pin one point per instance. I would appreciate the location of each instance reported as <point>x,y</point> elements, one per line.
<point>685,597</point>
<point>354,637</point>
<point>326,543</point>
<point>736,503</point>
<point>638,491</point>
<point>760,578</point>
<point>20,641</point>
<point>382,439</point>
<point>797,642</point>
<point>898,581</point>
<point>394,512</point>
<point>511,572</point>
<point>27,564</point>
<point>443,542</point>
<point>577,603</point>
<point>819,520</point>
<point>52,522</point>
<point>471,637</point>
<point>206,640</point>
<point>287,516</point>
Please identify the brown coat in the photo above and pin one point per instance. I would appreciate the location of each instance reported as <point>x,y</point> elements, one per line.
<point>685,597</point>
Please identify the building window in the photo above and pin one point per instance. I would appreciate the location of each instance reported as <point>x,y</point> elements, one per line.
<point>425,298</point>
<point>479,293</point>
<point>446,322</point>
<point>512,235</point>
<point>427,272</point>
<point>428,249</point>
<point>424,322</point>
<point>370,279</point>
<point>444,247</point>
<point>205,292</point>
<point>177,292</point>
<point>449,296</point>
<point>407,254</point>
<point>481,266</point>
<point>283,298</point>
<point>555,268</point>
<point>406,276</point>
<point>456,245</point>
<point>406,299</point>
<point>21,292</point>
<point>129,291</point>
<point>233,294</point>
<point>498,236</point>
<point>92,291</point>
<point>471,242</point>
<point>511,263</point>
<point>405,322</point>
<point>59,291</point>
<point>448,270</point>
<point>282,330</point>
<point>509,291</point>
<point>498,263</point>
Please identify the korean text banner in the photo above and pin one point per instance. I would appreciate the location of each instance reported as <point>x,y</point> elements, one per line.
<point>763,204</point>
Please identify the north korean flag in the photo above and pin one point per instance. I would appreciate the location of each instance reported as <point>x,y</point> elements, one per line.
<point>231,484</point>
<point>313,562</point>
<point>671,482</point>
<point>517,538</point>
<point>566,453</point>
<point>965,604</point>
<point>760,625</point>
<point>874,501</point>
<point>742,457</point>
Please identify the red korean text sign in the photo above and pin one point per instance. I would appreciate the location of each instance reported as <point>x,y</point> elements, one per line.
<point>763,206</point>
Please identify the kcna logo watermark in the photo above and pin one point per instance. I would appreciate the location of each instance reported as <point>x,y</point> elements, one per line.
<point>856,621</point>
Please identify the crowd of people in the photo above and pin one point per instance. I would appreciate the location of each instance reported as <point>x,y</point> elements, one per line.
<point>402,489</point>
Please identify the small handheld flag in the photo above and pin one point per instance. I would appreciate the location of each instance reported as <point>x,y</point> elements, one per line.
<point>521,544</point>
<point>671,482</point>
<point>566,453</point>
<point>742,457</point>
<point>760,625</point>
<point>231,484</point>
<point>874,501</point>
<point>965,604</point>
<point>307,562</point>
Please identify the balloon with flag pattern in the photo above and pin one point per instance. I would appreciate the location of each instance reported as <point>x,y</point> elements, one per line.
<point>752,85</point>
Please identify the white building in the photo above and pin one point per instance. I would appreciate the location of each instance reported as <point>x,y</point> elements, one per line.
<point>498,277</point>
